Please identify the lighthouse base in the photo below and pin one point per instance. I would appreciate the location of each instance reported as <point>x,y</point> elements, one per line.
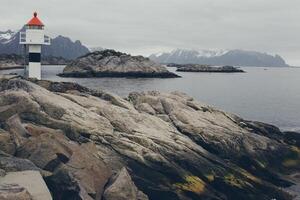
<point>34,70</point>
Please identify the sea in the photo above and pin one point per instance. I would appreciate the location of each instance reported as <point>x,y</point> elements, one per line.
<point>270,95</point>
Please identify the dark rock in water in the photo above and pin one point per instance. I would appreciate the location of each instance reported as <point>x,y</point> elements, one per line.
<point>205,68</point>
<point>174,148</point>
<point>109,63</point>
<point>123,188</point>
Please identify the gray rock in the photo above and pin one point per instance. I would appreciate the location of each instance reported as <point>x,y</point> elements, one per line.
<point>76,170</point>
<point>29,182</point>
<point>192,150</point>
<point>123,188</point>
<point>6,143</point>
<point>109,63</point>
<point>13,164</point>
<point>14,192</point>
<point>2,173</point>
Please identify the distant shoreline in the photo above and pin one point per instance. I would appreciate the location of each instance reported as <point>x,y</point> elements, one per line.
<point>22,67</point>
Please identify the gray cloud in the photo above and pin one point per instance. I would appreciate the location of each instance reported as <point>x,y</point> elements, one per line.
<point>146,26</point>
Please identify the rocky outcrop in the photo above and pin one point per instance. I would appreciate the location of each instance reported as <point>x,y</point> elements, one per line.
<point>109,63</point>
<point>172,146</point>
<point>205,68</point>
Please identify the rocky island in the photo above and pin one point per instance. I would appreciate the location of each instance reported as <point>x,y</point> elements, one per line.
<point>205,68</point>
<point>71,142</point>
<point>109,63</point>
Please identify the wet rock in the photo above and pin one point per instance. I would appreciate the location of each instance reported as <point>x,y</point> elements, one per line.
<point>123,188</point>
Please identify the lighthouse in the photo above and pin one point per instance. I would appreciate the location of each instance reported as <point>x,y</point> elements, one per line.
<point>33,38</point>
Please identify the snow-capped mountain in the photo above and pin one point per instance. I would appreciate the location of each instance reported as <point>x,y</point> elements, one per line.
<point>60,46</point>
<point>7,36</point>
<point>222,57</point>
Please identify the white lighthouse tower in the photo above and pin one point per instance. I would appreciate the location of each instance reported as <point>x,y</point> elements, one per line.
<point>33,38</point>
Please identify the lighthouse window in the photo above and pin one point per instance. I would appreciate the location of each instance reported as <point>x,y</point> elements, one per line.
<point>35,27</point>
<point>34,57</point>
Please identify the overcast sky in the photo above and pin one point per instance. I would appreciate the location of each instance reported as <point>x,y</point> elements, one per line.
<point>148,26</point>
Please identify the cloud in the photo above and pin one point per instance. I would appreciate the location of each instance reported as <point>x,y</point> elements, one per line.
<point>145,26</point>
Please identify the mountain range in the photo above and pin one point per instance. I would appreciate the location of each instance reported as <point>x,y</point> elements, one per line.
<point>223,57</point>
<point>60,46</point>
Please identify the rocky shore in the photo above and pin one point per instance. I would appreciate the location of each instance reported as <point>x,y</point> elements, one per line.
<point>13,61</point>
<point>77,143</point>
<point>109,63</point>
<point>205,68</point>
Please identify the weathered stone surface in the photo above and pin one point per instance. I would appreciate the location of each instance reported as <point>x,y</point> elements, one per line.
<point>14,192</point>
<point>2,173</point>
<point>16,129</point>
<point>76,168</point>
<point>6,143</point>
<point>174,146</point>
<point>109,63</point>
<point>31,181</point>
<point>123,188</point>
<point>13,164</point>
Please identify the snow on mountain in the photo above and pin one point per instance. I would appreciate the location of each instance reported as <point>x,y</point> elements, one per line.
<point>6,36</point>
<point>221,57</point>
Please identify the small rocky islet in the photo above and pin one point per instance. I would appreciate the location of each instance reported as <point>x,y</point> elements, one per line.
<point>110,63</point>
<point>206,68</point>
<point>79,143</point>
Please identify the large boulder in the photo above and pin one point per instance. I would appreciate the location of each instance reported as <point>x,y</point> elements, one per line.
<point>14,192</point>
<point>24,185</point>
<point>109,63</point>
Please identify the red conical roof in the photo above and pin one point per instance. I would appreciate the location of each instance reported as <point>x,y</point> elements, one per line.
<point>35,21</point>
